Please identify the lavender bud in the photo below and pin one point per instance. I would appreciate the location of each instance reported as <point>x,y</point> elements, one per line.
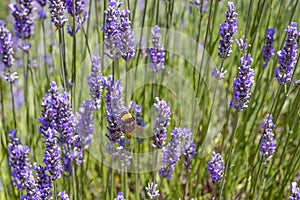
<point>162,111</point>
<point>63,196</point>
<point>110,28</point>
<point>32,190</point>
<point>18,161</point>
<point>43,181</point>
<point>157,53</point>
<point>242,84</point>
<point>151,191</point>
<point>268,49</point>
<point>227,30</point>
<point>219,75</point>
<point>199,4</point>
<point>126,45</point>
<point>268,146</point>
<point>52,155</point>
<point>287,56</point>
<point>216,167</point>
<point>6,46</point>
<point>95,81</point>
<point>57,8</point>
<point>85,126</point>
<point>120,196</point>
<point>295,192</point>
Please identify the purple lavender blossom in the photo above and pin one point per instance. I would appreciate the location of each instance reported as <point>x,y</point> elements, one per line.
<point>126,44</point>
<point>57,8</point>
<point>57,114</point>
<point>85,126</point>
<point>24,20</point>
<point>32,190</point>
<point>115,106</point>
<point>18,161</point>
<point>120,196</point>
<point>227,30</point>
<point>157,53</point>
<point>268,49</point>
<point>268,145</point>
<point>52,155</point>
<point>219,75</point>
<point>43,182</point>
<point>162,111</point>
<point>63,196</point>
<point>188,148</point>
<point>111,28</point>
<point>6,46</point>
<point>242,84</point>
<point>287,56</point>
<point>216,167</point>
<point>80,15</point>
<point>295,191</point>
<point>95,81</point>
<point>171,154</point>
<point>152,193</point>
<point>42,3</point>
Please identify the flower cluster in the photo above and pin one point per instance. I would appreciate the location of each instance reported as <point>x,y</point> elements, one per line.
<point>163,112</point>
<point>32,190</point>
<point>227,30</point>
<point>85,125</point>
<point>151,191</point>
<point>18,161</point>
<point>171,154</point>
<point>268,145</point>
<point>219,75</point>
<point>95,81</point>
<point>157,53</point>
<point>79,7</point>
<point>126,45</point>
<point>43,181</point>
<point>63,196</point>
<point>216,167</point>
<point>287,56</point>
<point>188,148</point>
<point>52,155</point>
<point>295,192</point>
<point>6,45</point>
<point>268,49</point>
<point>242,84</point>
<point>115,106</point>
<point>57,8</point>
<point>24,21</point>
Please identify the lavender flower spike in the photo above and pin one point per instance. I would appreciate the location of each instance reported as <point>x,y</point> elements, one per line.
<point>85,126</point>
<point>32,190</point>
<point>242,84</point>
<point>95,81</point>
<point>120,196</point>
<point>163,113</point>
<point>6,46</point>
<point>110,28</point>
<point>157,53</point>
<point>126,45</point>
<point>287,56</point>
<point>268,49</point>
<point>171,154</point>
<point>52,155</point>
<point>79,14</point>
<point>18,161</point>
<point>227,30</point>
<point>188,148</point>
<point>151,191</point>
<point>57,8</point>
<point>43,181</point>
<point>295,192</point>
<point>216,167</point>
<point>268,146</point>
<point>115,106</point>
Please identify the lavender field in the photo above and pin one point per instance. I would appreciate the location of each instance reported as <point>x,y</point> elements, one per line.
<point>149,99</point>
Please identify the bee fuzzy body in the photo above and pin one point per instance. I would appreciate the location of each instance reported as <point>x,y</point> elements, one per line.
<point>127,123</point>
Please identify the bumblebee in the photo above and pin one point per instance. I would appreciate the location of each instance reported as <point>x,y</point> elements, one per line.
<point>127,123</point>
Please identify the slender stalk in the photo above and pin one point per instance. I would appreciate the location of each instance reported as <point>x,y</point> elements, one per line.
<point>154,172</point>
<point>62,62</point>
<point>13,105</point>
<point>74,182</point>
<point>261,183</point>
<point>229,154</point>
<point>45,51</point>
<point>126,84</point>
<point>109,173</point>
<point>55,190</point>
